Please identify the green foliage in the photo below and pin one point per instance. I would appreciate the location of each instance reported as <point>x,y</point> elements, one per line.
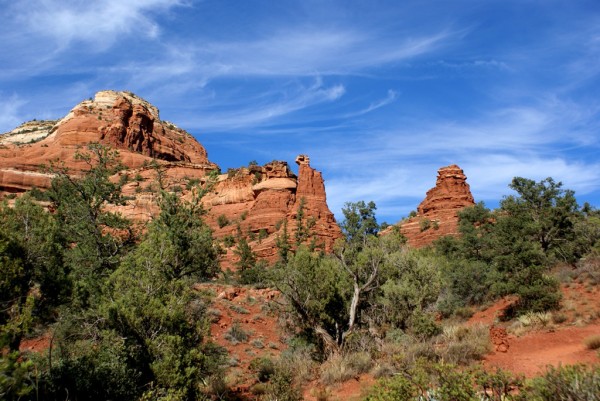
<point>99,238</point>
<point>263,367</point>
<point>359,221</point>
<point>281,386</point>
<point>303,226</point>
<point>228,241</point>
<point>262,234</point>
<point>127,324</point>
<point>283,243</point>
<point>547,212</point>
<point>14,286</point>
<point>577,383</point>
<point>236,334</point>
<point>315,289</point>
<point>511,250</point>
<point>412,286</point>
<point>246,257</point>
<point>17,376</point>
<point>256,275</point>
<point>180,241</point>
<point>445,382</point>
<point>424,224</point>
<point>423,325</point>
<point>145,337</point>
<point>222,221</point>
<point>32,275</point>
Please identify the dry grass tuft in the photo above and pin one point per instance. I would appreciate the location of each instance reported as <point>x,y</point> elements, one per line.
<point>592,342</point>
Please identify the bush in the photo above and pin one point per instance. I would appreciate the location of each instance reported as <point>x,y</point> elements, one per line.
<point>222,221</point>
<point>263,367</point>
<point>256,274</point>
<point>236,334</point>
<point>281,386</point>
<point>592,342</point>
<point>342,368</point>
<point>228,241</point>
<point>559,318</point>
<point>17,376</point>
<point>576,383</point>
<point>423,326</point>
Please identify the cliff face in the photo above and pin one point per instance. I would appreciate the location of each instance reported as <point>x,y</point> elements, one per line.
<point>437,215</point>
<point>258,199</point>
<point>117,119</point>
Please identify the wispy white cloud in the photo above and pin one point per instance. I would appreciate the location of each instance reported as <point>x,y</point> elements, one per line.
<point>490,175</point>
<point>96,22</point>
<point>391,96</point>
<point>393,188</point>
<point>515,129</point>
<point>303,51</point>
<point>296,51</point>
<point>470,64</point>
<point>10,112</point>
<point>533,142</point>
<point>266,107</point>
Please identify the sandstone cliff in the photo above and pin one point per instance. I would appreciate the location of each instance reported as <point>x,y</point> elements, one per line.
<point>257,199</point>
<point>437,214</point>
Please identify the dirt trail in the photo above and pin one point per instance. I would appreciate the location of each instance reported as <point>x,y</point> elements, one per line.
<point>531,353</point>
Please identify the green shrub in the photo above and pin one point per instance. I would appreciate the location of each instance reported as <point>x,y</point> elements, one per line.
<point>423,326</point>
<point>281,386</point>
<point>239,309</point>
<point>236,334</point>
<point>576,383</point>
<point>446,382</point>
<point>228,241</point>
<point>256,274</point>
<point>263,367</point>
<point>17,376</point>
<point>222,221</point>
<point>262,234</point>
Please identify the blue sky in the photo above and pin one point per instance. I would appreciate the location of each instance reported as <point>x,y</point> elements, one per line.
<point>379,93</point>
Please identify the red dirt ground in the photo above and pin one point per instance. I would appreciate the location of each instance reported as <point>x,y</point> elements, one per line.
<point>351,390</point>
<point>249,308</point>
<point>530,354</point>
<point>37,344</point>
<point>558,344</point>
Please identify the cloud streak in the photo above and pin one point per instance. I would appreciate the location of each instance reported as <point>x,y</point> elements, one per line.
<point>10,115</point>
<point>266,108</point>
<point>98,23</point>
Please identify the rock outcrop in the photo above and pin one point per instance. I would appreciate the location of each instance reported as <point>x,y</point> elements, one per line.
<point>437,215</point>
<point>256,202</point>
<point>118,119</point>
<point>260,202</point>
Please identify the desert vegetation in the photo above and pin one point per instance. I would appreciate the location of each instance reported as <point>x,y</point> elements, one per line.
<point>123,317</point>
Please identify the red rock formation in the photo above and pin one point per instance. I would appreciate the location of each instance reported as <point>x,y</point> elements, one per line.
<point>311,196</point>
<point>437,214</point>
<point>119,119</point>
<point>258,199</point>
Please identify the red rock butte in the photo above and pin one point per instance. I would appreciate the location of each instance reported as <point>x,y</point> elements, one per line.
<point>437,215</point>
<point>258,199</point>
